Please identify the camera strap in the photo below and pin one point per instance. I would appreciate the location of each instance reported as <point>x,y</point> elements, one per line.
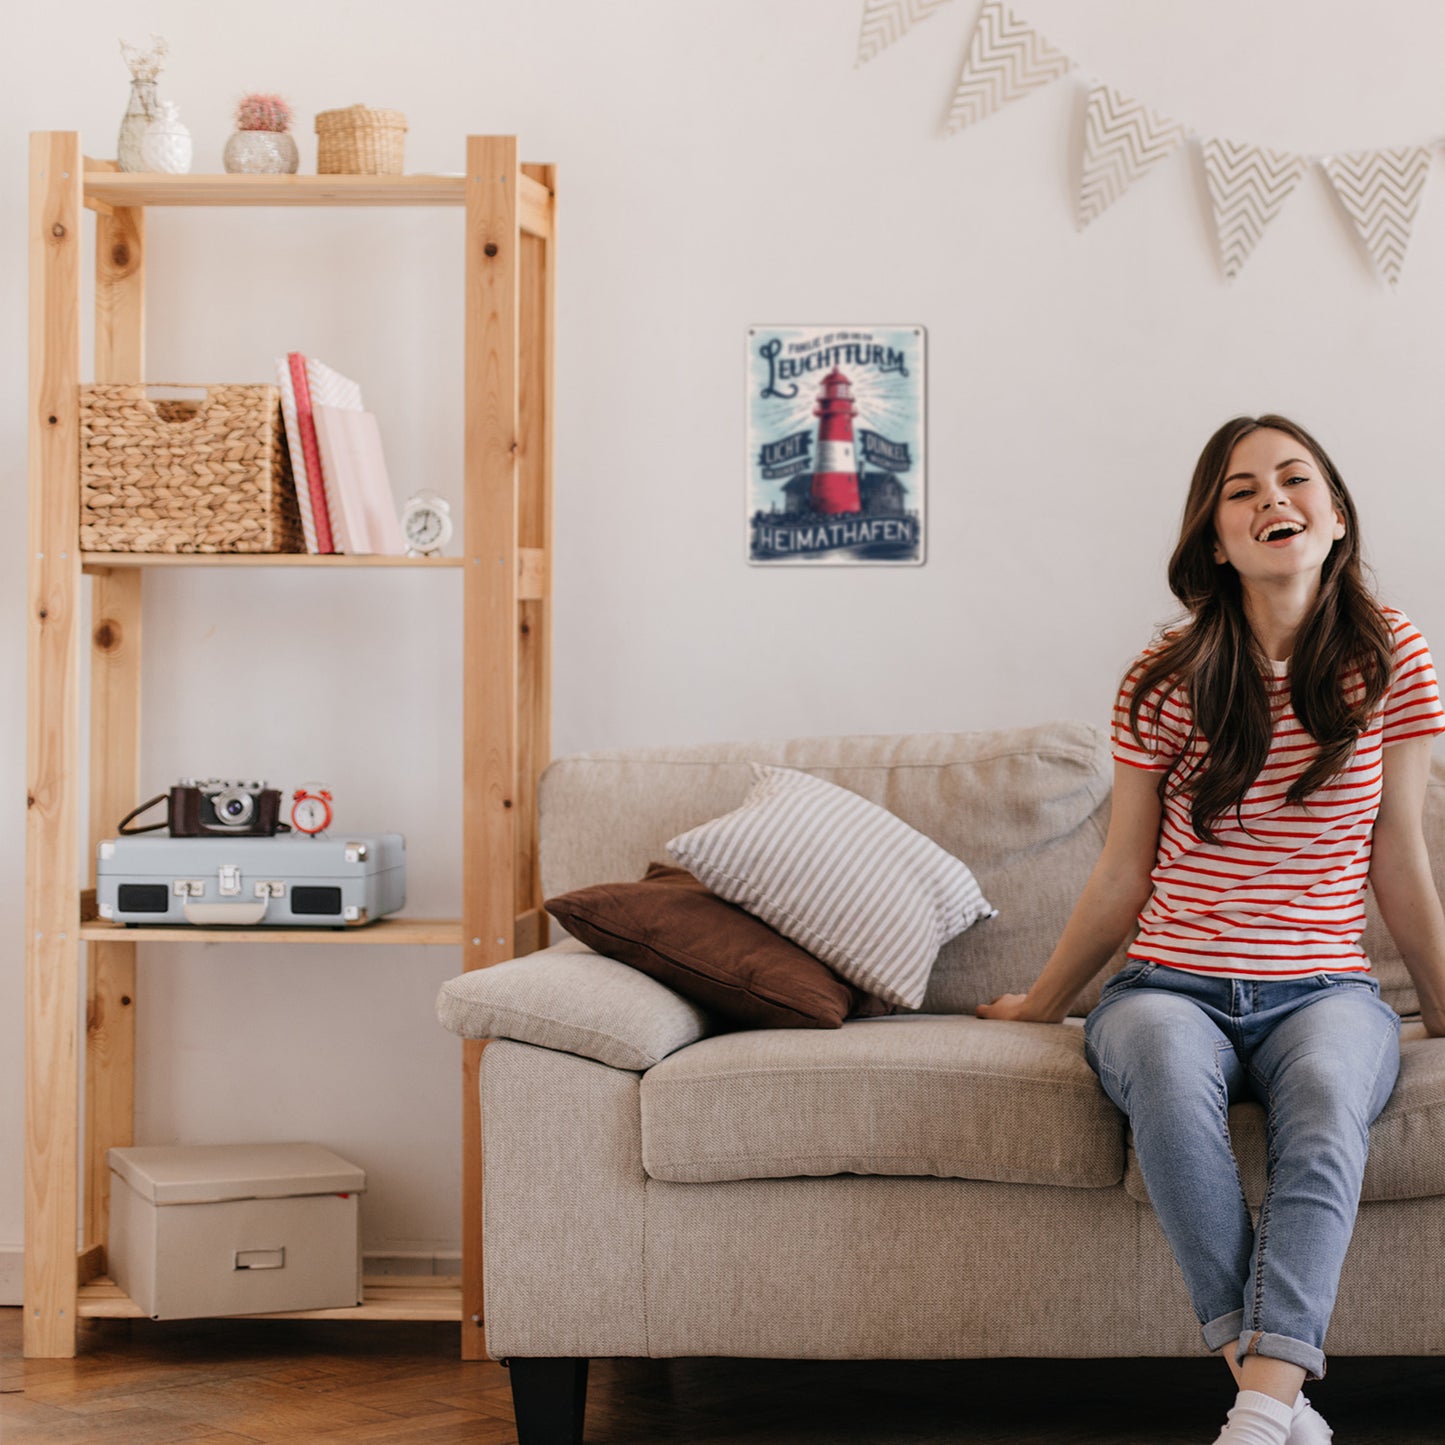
<point>145,807</point>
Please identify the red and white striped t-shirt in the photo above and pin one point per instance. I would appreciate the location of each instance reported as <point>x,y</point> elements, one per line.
<point>1285,899</point>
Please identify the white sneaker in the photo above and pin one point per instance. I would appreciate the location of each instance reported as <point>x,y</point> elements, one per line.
<point>1308,1427</point>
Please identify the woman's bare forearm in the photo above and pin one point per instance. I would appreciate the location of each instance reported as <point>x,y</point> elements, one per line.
<point>1100,922</point>
<point>1410,907</point>
<point>1117,889</point>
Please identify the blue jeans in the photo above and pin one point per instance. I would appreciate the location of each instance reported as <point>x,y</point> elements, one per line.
<point>1173,1050</point>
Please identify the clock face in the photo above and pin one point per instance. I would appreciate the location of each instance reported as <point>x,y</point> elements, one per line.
<point>423,528</point>
<point>310,815</point>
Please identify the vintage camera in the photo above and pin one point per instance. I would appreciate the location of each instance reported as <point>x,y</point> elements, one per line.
<point>215,806</point>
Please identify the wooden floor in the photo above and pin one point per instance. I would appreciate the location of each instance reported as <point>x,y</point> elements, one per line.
<point>136,1383</point>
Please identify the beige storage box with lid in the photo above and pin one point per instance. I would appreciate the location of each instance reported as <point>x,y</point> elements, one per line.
<point>235,1229</point>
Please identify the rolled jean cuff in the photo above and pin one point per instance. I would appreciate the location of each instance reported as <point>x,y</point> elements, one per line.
<point>1281,1347</point>
<point>1223,1331</point>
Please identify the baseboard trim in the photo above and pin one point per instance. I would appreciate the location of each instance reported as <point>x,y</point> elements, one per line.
<point>12,1275</point>
<point>408,1262</point>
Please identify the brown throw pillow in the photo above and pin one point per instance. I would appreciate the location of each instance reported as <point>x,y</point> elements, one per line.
<point>670,927</point>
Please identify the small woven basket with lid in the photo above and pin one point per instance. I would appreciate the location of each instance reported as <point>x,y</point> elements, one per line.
<point>359,142</point>
<point>186,476</point>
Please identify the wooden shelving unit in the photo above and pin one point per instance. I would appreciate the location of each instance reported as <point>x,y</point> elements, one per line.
<point>508,269</point>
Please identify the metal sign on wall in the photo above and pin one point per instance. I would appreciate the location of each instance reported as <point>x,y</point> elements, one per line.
<point>835,445</point>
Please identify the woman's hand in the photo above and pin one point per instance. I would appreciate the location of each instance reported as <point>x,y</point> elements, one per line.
<point>1117,889</point>
<point>1011,1006</point>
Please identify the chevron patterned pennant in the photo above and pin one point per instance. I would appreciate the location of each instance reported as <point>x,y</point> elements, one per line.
<point>1381,190</point>
<point>1248,186</point>
<point>1007,58</point>
<point>885,21</point>
<point>1122,140</point>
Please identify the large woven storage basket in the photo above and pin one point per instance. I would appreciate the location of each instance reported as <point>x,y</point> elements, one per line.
<point>359,142</point>
<point>185,476</point>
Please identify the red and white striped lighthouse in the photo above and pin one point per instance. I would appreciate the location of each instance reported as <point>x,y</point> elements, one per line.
<point>835,482</point>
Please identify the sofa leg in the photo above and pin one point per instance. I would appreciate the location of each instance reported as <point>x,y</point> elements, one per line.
<point>549,1397</point>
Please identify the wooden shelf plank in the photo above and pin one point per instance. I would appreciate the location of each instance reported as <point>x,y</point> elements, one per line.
<point>146,188</point>
<point>143,188</point>
<point>386,1297</point>
<point>532,565</point>
<point>384,930</point>
<point>99,561</point>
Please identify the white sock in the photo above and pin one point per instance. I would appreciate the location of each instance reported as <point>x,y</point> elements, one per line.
<point>1257,1419</point>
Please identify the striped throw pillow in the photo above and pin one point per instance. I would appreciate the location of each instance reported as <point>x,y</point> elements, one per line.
<point>843,878</point>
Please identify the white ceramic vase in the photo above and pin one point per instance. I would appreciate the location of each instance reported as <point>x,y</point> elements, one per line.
<point>166,146</point>
<point>261,152</point>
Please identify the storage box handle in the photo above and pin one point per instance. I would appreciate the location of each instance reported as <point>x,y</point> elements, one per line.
<point>260,1259</point>
<point>200,398</point>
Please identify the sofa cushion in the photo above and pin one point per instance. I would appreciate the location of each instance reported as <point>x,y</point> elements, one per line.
<point>575,1001</point>
<point>952,1097</point>
<point>672,928</point>
<point>1407,1141</point>
<point>842,877</point>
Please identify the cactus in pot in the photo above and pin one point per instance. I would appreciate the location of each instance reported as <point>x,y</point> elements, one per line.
<point>262,143</point>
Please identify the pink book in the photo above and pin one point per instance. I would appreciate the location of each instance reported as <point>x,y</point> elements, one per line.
<point>363,509</point>
<point>306,425</point>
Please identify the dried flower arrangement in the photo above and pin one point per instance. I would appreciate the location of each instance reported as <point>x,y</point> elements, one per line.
<point>144,64</point>
<point>262,111</point>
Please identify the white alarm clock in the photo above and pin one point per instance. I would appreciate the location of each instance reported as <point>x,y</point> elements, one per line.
<point>311,809</point>
<point>426,524</point>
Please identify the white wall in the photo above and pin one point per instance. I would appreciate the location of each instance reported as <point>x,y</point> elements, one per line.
<point>721,164</point>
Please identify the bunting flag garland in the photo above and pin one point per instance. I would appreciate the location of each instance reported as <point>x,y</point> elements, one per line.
<point>1248,186</point>
<point>885,21</point>
<point>1122,140</point>
<point>1006,59</point>
<point>1381,190</point>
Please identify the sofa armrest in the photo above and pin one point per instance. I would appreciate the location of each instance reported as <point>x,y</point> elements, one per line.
<point>575,1001</point>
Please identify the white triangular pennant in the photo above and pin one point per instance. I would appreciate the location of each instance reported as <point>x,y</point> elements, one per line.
<point>1007,58</point>
<point>1381,190</point>
<point>885,21</point>
<point>1248,186</point>
<point>1122,140</point>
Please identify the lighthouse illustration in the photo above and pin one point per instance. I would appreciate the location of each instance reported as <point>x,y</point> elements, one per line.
<point>835,445</point>
<point>835,481</point>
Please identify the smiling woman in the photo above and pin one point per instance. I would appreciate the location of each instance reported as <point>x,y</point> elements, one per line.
<point>1271,758</point>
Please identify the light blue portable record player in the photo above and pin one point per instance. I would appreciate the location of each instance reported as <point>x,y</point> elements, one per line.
<point>251,882</point>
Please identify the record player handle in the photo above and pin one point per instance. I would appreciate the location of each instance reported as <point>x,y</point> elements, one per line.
<point>237,913</point>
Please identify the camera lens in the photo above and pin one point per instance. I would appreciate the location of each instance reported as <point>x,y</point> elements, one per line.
<point>234,807</point>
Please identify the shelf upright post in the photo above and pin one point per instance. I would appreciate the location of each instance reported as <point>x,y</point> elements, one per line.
<point>489,704</point>
<point>115,638</point>
<point>537,321</point>
<point>52,890</point>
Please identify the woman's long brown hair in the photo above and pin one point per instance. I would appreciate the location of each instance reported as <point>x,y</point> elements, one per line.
<point>1217,661</point>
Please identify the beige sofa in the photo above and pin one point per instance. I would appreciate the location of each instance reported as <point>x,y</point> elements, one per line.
<point>918,1186</point>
